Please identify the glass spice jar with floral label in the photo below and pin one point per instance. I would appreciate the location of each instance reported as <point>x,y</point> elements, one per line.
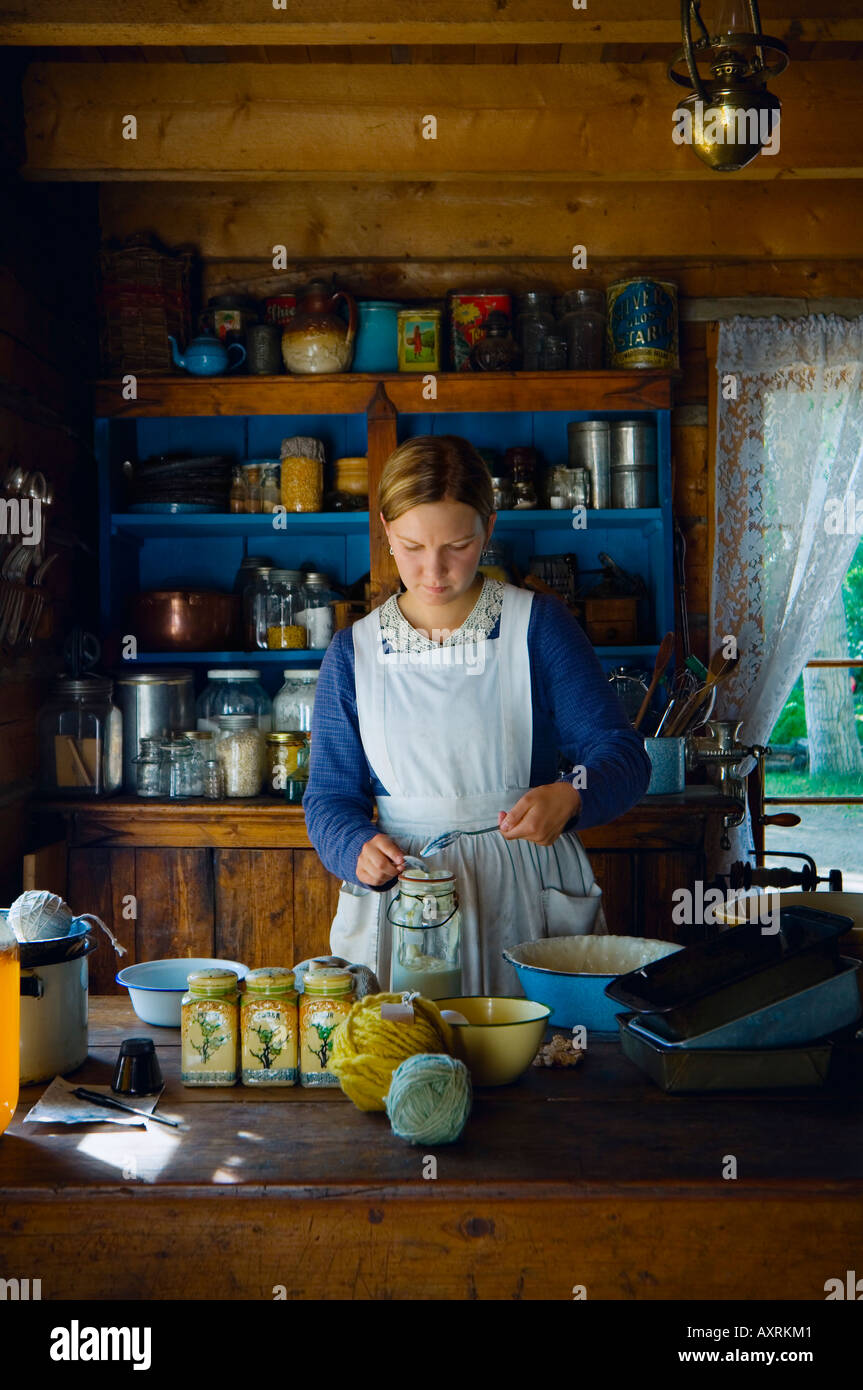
<point>326,1003</point>
<point>210,1027</point>
<point>269,1028</point>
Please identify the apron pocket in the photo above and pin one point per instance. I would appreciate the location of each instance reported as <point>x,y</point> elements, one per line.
<point>354,932</point>
<point>567,915</point>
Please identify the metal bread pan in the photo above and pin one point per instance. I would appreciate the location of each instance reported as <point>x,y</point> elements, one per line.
<point>691,1069</point>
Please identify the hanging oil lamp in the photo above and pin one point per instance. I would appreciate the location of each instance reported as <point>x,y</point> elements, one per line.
<point>730,117</point>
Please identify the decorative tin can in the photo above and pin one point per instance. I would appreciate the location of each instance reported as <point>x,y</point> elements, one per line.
<point>641,324</point>
<point>268,1028</point>
<point>326,1002</point>
<point>419,340</point>
<point>467,317</point>
<point>280,307</point>
<point>210,1029</point>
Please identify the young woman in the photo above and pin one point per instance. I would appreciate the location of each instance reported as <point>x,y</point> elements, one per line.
<point>447,708</point>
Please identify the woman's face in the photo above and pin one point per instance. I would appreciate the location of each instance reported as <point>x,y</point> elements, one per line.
<point>436,547</point>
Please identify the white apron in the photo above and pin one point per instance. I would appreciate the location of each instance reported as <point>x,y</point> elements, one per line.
<point>449,733</point>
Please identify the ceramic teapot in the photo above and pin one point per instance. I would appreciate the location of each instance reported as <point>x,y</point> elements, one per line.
<point>317,339</point>
<point>206,356</point>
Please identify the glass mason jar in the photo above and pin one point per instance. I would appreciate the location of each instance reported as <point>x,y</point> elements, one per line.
<point>502,494</point>
<point>269,1028</point>
<point>295,702</point>
<point>210,1029</point>
<point>426,948</point>
<point>240,750</point>
<point>270,488</point>
<point>252,476</point>
<point>255,597</point>
<point>497,350</point>
<point>328,996</point>
<point>522,461</point>
<point>10,1027</point>
<point>302,475</point>
<point>553,354</point>
<point>234,691</point>
<point>80,738</point>
<point>285,602</point>
<point>237,496</point>
<point>534,321</point>
<point>583,324</point>
<point>317,615</point>
<point>493,561</point>
<point>182,769</point>
<point>287,766</point>
<point>148,768</point>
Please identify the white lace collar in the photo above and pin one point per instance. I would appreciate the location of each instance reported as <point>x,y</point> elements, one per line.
<point>400,636</point>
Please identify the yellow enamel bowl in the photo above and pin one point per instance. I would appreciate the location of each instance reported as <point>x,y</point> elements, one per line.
<point>501,1036</point>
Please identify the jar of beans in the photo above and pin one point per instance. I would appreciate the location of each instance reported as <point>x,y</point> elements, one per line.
<point>285,600</point>
<point>240,750</point>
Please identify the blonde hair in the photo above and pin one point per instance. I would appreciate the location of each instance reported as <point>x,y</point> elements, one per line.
<point>433,467</point>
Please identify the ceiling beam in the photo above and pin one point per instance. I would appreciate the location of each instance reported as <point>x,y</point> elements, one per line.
<point>361,22</point>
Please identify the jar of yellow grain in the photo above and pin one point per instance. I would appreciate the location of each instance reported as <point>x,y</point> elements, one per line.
<point>285,602</point>
<point>326,1002</point>
<point>302,476</point>
<point>269,1028</point>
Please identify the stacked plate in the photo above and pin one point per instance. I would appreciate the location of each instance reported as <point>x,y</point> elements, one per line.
<point>753,1008</point>
<point>168,484</point>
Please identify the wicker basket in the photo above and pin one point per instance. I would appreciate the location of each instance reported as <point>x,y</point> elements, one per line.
<point>144,297</point>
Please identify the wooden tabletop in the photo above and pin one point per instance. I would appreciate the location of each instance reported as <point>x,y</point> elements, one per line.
<point>590,1177</point>
<point>603,1123</point>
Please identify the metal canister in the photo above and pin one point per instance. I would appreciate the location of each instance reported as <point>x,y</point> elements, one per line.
<point>419,340</point>
<point>264,349</point>
<point>589,448</point>
<point>155,704</point>
<point>641,324</point>
<point>633,463</point>
<point>468,312</point>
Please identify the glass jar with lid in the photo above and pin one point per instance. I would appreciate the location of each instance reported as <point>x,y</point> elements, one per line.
<point>234,691</point>
<point>302,474</point>
<point>240,750</point>
<point>80,738</point>
<point>148,767</point>
<point>426,949</point>
<point>497,350</point>
<point>522,462</point>
<point>252,476</point>
<point>271,496</point>
<point>328,996</point>
<point>318,616</point>
<point>502,498</point>
<point>182,769</point>
<point>553,357</point>
<point>285,602</point>
<point>287,766</point>
<point>493,562</point>
<point>255,598</point>
<point>583,325</point>
<point>295,702</point>
<point>534,321</point>
<point>351,486</point>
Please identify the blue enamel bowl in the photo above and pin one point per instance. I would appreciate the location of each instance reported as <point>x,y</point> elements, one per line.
<point>156,987</point>
<point>570,973</point>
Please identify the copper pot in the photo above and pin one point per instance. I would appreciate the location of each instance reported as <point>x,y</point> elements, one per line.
<point>185,620</point>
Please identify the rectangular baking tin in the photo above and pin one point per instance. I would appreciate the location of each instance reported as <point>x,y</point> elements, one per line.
<point>693,1069</point>
<point>812,1012</point>
<point>736,955</point>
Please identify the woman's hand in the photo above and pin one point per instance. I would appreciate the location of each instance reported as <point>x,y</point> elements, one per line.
<point>541,814</point>
<point>380,860</point>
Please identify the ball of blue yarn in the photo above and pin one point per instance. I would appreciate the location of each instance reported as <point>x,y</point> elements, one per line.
<point>429,1098</point>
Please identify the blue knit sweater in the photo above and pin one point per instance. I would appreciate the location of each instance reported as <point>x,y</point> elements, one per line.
<point>575,715</point>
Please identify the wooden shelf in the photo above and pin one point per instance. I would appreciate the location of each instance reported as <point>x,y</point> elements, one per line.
<point>348,393</point>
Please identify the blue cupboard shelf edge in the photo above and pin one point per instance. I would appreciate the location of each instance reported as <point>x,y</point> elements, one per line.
<point>342,523</point>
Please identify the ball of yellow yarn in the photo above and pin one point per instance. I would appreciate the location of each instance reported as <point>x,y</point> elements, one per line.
<point>367,1048</point>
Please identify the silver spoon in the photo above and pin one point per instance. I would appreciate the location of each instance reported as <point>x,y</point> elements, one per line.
<point>440,842</point>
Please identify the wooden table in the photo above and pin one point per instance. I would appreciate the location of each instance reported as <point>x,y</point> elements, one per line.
<point>589,1177</point>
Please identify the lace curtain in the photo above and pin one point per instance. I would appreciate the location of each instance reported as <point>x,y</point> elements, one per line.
<point>789,472</point>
